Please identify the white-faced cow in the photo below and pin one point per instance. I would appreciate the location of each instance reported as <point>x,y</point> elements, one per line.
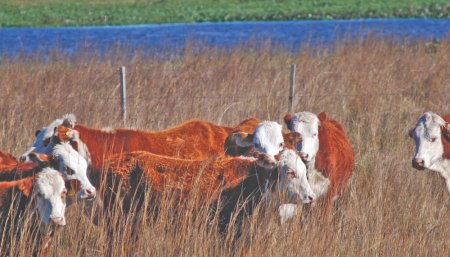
<point>46,192</point>
<point>326,151</point>
<point>62,156</point>
<point>267,137</point>
<point>432,137</point>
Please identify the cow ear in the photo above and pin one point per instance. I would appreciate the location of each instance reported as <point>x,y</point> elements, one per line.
<point>293,137</point>
<point>25,186</point>
<point>411,133</point>
<point>322,116</point>
<point>69,120</point>
<point>39,158</point>
<point>264,160</point>
<point>288,120</point>
<point>243,139</point>
<point>66,134</point>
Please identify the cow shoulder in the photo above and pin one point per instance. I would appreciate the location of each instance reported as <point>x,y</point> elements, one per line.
<point>335,150</point>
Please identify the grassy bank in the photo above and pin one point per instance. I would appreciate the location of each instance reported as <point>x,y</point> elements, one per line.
<point>114,12</point>
<point>377,90</point>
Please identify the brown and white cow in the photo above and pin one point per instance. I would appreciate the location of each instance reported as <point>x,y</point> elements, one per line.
<point>326,151</point>
<point>236,180</point>
<point>49,188</point>
<point>194,139</point>
<point>63,158</point>
<point>254,135</point>
<point>207,176</point>
<point>432,137</point>
<point>46,192</point>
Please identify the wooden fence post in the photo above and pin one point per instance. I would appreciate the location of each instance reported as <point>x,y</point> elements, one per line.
<point>123,94</point>
<point>291,89</point>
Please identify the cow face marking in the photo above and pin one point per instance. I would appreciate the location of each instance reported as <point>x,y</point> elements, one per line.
<point>307,125</point>
<point>427,135</point>
<point>266,138</point>
<point>37,132</point>
<point>74,167</point>
<point>69,171</point>
<point>293,177</point>
<point>51,197</point>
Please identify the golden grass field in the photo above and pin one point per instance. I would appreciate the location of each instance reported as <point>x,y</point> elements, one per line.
<point>376,89</point>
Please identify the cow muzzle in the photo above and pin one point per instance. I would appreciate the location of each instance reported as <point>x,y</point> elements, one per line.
<point>58,221</point>
<point>308,198</point>
<point>304,156</point>
<point>418,164</point>
<point>88,194</point>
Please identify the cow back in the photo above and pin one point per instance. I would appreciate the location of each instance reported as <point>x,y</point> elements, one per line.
<point>194,139</point>
<point>164,172</point>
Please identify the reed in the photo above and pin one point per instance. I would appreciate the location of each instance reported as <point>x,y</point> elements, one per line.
<point>377,89</point>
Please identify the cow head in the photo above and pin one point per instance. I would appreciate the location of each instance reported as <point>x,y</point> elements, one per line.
<point>430,134</point>
<point>70,164</point>
<point>266,138</point>
<point>307,125</point>
<point>51,194</point>
<point>73,167</point>
<point>45,136</point>
<point>293,177</point>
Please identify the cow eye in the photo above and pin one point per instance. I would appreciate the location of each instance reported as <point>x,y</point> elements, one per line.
<point>69,171</point>
<point>39,195</point>
<point>46,141</point>
<point>433,139</point>
<point>315,135</point>
<point>281,144</point>
<point>291,174</point>
<point>64,195</point>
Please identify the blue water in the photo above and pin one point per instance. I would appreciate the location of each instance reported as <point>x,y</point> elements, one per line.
<point>290,35</point>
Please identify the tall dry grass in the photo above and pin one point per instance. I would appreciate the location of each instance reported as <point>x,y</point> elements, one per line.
<point>376,89</point>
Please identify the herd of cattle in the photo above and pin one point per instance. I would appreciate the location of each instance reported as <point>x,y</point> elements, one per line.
<point>233,166</point>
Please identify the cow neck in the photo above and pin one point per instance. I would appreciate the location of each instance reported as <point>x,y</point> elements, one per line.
<point>442,166</point>
<point>267,179</point>
<point>311,165</point>
<point>98,143</point>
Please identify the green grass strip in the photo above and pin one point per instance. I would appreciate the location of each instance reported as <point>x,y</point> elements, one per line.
<point>114,12</point>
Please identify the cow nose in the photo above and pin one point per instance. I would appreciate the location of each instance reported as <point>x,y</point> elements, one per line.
<point>58,221</point>
<point>418,163</point>
<point>23,158</point>
<point>90,192</point>
<point>304,156</point>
